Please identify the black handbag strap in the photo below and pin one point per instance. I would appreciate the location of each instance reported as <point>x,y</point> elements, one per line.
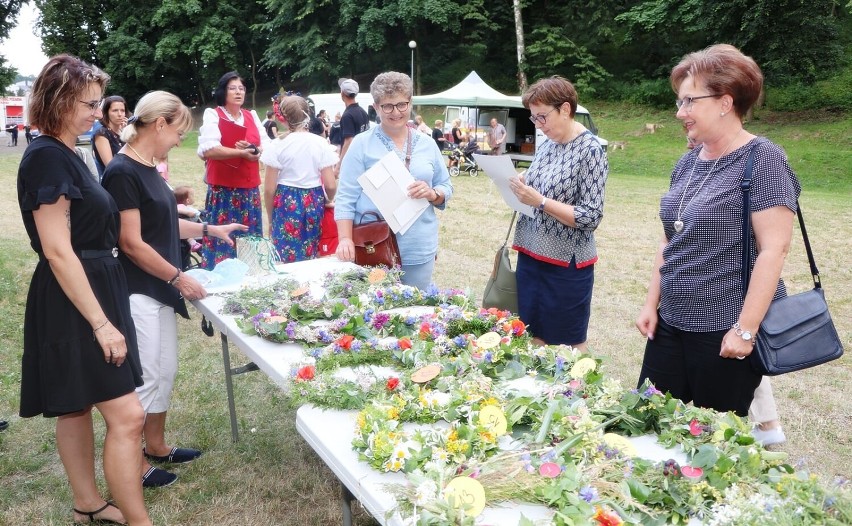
<point>745,186</point>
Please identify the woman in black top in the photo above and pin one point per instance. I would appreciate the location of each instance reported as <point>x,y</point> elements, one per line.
<point>79,339</point>
<point>150,253</point>
<point>106,141</point>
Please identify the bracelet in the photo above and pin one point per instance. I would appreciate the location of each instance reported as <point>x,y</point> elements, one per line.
<point>174,280</point>
<point>204,229</point>
<point>437,196</point>
<point>101,326</point>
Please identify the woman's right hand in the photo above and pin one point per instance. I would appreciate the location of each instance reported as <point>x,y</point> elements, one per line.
<point>647,320</point>
<point>345,249</point>
<point>112,343</point>
<point>190,288</point>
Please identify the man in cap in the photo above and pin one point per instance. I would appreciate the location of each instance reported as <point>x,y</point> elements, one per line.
<point>355,119</point>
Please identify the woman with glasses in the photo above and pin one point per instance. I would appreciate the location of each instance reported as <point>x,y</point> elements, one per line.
<point>298,168</point>
<point>151,257</point>
<point>699,327</point>
<point>230,142</point>
<point>107,139</point>
<point>79,339</point>
<point>418,246</point>
<point>556,246</point>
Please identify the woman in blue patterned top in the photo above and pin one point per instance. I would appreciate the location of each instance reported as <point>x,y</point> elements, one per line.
<point>699,328</point>
<point>556,247</point>
<point>418,246</point>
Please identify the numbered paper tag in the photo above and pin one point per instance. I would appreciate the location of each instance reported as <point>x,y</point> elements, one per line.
<point>466,493</point>
<point>492,418</point>
<point>488,340</point>
<point>301,291</point>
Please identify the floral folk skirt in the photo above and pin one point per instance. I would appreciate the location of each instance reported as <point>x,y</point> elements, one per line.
<point>296,218</point>
<point>230,205</point>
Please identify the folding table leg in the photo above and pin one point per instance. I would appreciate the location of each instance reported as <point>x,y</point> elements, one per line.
<point>229,386</point>
<point>346,499</point>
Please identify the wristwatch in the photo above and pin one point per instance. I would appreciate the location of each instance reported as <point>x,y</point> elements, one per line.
<point>541,206</point>
<point>745,335</point>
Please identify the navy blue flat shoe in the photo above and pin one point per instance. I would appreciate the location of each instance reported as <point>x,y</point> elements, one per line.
<point>158,478</point>
<point>178,455</point>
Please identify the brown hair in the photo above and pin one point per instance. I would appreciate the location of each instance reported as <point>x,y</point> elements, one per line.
<point>553,91</point>
<point>57,89</point>
<point>183,194</point>
<point>724,70</point>
<point>108,102</point>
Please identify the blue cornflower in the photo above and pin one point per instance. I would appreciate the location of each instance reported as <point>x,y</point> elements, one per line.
<point>588,493</point>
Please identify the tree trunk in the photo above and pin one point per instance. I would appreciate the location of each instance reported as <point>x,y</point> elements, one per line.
<point>519,36</point>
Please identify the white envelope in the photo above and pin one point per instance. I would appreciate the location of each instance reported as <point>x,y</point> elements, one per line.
<point>386,183</point>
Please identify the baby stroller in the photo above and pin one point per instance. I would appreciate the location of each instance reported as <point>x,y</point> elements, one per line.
<point>463,160</point>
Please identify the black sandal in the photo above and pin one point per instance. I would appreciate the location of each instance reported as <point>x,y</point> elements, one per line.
<point>91,515</point>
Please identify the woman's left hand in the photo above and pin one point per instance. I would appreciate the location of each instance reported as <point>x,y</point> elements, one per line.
<point>525,193</point>
<point>421,190</point>
<point>733,346</point>
<point>223,232</point>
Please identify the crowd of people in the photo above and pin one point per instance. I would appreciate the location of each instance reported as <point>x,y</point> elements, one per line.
<point>111,267</point>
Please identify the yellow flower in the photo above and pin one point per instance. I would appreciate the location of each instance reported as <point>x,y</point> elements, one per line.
<point>583,367</point>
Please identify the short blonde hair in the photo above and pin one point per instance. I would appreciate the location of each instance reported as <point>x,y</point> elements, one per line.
<point>152,106</point>
<point>439,123</point>
<point>57,90</point>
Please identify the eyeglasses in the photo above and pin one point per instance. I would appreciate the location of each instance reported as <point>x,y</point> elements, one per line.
<point>689,101</point>
<point>400,106</point>
<point>541,118</point>
<point>236,88</point>
<point>93,105</point>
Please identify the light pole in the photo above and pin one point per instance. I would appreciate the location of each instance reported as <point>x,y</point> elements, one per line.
<point>412,44</point>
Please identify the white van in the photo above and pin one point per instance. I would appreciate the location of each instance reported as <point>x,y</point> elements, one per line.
<point>332,103</point>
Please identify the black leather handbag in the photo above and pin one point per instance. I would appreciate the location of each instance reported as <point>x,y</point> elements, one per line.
<point>797,331</point>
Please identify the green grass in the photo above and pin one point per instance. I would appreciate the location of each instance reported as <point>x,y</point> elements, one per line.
<point>272,477</point>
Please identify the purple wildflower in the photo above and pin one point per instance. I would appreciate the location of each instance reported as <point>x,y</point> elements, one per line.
<point>380,320</point>
<point>291,329</point>
<point>651,391</point>
<point>588,493</point>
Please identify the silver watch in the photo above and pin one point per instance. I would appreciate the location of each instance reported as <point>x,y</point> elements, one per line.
<point>745,335</point>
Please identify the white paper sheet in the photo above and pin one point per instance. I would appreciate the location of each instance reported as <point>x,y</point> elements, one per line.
<point>386,183</point>
<point>501,170</point>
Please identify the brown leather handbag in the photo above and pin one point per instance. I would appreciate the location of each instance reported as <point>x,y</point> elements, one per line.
<point>375,243</point>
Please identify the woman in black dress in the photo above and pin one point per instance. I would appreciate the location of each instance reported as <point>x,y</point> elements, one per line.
<point>107,139</point>
<point>79,339</point>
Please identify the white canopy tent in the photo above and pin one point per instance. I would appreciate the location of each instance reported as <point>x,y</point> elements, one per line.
<point>472,92</point>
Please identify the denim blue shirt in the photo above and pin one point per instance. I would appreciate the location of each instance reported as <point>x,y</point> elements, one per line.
<point>420,243</point>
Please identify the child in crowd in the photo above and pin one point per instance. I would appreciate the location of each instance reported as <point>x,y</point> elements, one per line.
<point>185,199</point>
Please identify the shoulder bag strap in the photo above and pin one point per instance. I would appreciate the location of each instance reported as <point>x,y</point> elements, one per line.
<point>511,224</point>
<point>745,186</point>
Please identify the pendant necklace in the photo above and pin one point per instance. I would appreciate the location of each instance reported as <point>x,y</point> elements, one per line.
<point>678,224</point>
<point>142,159</point>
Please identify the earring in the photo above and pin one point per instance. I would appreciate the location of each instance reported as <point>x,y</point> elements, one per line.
<point>722,114</point>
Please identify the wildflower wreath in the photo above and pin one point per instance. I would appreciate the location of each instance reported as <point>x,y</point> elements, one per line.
<point>461,401</point>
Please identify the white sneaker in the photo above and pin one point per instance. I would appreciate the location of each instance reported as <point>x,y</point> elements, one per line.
<point>769,436</point>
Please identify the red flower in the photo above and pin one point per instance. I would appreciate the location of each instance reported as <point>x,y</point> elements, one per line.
<point>345,341</point>
<point>695,428</point>
<point>607,518</point>
<point>425,330</point>
<point>306,373</point>
<point>404,343</point>
<point>518,327</point>
<point>393,383</point>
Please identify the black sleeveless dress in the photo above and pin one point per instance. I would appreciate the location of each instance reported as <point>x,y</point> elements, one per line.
<point>63,368</point>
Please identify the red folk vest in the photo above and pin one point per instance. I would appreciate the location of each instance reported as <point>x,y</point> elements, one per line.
<point>235,172</point>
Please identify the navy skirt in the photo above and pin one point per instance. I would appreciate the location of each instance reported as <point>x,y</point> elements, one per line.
<point>555,302</point>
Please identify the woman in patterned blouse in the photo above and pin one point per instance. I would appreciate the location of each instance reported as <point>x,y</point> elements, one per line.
<point>565,183</point>
<point>699,327</point>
